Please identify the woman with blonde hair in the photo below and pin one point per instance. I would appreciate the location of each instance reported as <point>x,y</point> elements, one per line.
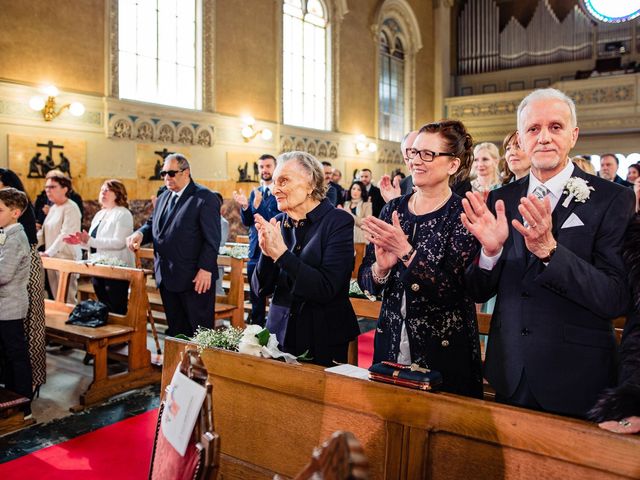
<point>584,164</point>
<point>484,169</point>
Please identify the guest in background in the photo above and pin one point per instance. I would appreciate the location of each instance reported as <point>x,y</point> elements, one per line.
<point>262,201</point>
<point>306,263</point>
<point>484,171</point>
<point>358,205</point>
<point>332,191</point>
<point>34,321</point>
<point>43,204</point>
<point>63,219</point>
<point>417,260</point>
<point>224,236</point>
<point>584,164</point>
<point>107,236</point>
<point>375,196</point>
<point>636,190</point>
<point>618,409</point>
<point>609,165</point>
<point>516,163</point>
<point>392,187</point>
<point>336,177</point>
<point>633,173</point>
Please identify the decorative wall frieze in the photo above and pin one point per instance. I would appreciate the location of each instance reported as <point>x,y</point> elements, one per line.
<point>389,153</point>
<point>152,129</point>
<point>319,148</point>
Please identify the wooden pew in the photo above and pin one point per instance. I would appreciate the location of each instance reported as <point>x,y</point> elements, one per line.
<point>11,413</point>
<point>129,329</point>
<point>229,306</point>
<point>359,251</point>
<point>405,434</point>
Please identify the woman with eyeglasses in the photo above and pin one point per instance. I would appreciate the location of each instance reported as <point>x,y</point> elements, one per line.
<point>63,219</point>
<point>418,254</point>
<point>107,236</point>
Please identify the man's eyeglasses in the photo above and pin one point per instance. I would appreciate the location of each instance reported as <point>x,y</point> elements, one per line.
<point>171,173</point>
<point>426,155</point>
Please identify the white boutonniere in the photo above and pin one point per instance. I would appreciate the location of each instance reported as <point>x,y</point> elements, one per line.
<point>3,237</point>
<point>578,189</point>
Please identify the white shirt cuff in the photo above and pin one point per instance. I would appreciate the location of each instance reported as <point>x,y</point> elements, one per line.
<point>487,263</point>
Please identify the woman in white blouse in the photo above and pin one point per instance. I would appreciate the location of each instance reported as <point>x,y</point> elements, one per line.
<point>107,236</point>
<point>63,218</point>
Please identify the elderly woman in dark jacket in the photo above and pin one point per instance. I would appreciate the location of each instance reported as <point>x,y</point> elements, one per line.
<point>618,409</point>
<point>306,263</point>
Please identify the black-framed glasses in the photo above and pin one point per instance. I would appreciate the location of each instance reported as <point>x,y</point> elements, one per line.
<point>426,155</point>
<point>171,173</point>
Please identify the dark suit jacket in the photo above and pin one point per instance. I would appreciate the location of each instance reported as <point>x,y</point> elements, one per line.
<point>315,277</point>
<point>406,185</point>
<point>268,208</point>
<point>188,240</point>
<point>377,202</point>
<point>553,322</point>
<point>620,181</point>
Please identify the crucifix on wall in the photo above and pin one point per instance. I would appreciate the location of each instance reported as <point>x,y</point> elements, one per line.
<point>38,167</point>
<point>164,153</point>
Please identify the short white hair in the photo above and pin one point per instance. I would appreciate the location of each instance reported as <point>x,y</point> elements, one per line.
<point>547,94</point>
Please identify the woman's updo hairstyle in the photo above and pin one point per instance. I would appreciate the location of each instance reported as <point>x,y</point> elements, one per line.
<point>458,142</point>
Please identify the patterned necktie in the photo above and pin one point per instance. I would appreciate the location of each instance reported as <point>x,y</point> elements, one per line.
<point>540,191</point>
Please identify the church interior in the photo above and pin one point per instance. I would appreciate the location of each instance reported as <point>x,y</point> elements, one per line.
<point>103,89</point>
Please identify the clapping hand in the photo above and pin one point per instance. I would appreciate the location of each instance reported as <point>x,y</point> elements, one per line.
<point>389,189</point>
<point>241,198</point>
<point>537,235</point>
<point>257,198</point>
<point>389,240</point>
<point>491,230</point>
<point>77,238</point>
<point>270,237</point>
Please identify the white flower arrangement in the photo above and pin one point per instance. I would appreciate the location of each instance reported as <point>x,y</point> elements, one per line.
<point>98,259</point>
<point>253,340</point>
<point>578,189</point>
<point>236,251</point>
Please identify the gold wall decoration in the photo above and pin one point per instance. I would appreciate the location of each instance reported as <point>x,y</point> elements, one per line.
<point>31,157</point>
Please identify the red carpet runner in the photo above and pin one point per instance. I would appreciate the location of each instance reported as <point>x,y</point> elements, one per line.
<point>120,451</point>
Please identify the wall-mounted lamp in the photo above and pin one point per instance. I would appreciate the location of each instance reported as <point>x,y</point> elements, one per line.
<point>249,131</point>
<point>362,145</point>
<point>48,106</point>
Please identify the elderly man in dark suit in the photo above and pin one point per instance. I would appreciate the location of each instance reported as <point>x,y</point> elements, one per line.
<point>261,200</point>
<point>551,251</point>
<point>185,230</point>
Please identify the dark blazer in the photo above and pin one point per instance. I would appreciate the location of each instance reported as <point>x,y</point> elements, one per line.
<point>620,181</point>
<point>553,322</point>
<point>188,240</point>
<point>268,208</point>
<point>377,202</point>
<point>314,277</point>
<point>406,185</point>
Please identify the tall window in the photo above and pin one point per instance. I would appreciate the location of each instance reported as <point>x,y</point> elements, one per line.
<point>305,77</point>
<point>158,58</point>
<point>391,82</point>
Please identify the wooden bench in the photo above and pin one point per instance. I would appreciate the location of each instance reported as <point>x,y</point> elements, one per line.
<point>405,434</point>
<point>11,412</point>
<point>129,329</point>
<point>229,306</point>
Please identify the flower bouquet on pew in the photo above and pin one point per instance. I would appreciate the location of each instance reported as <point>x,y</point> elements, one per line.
<point>252,340</point>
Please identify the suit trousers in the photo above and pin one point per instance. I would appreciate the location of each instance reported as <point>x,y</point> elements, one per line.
<point>188,310</point>
<point>258,303</point>
<point>14,354</point>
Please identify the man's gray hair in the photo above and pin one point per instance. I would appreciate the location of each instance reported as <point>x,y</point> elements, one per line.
<point>548,94</point>
<point>312,168</point>
<point>183,163</point>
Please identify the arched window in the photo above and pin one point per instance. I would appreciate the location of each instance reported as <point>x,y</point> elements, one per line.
<point>159,45</point>
<point>391,82</point>
<point>305,64</point>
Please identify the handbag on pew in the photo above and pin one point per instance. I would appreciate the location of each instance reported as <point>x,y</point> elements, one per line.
<point>412,376</point>
<point>89,313</point>
<point>201,458</point>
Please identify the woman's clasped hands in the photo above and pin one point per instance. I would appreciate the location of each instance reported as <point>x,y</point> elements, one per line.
<point>270,237</point>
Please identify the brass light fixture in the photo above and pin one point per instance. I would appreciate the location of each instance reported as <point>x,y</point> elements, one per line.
<point>249,131</point>
<point>362,145</point>
<point>48,106</point>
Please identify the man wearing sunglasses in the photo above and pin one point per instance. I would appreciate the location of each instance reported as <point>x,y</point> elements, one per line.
<point>185,230</point>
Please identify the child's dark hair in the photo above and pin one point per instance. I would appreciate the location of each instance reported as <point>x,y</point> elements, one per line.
<point>13,198</point>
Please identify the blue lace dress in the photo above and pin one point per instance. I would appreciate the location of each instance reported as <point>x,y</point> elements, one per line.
<point>429,297</point>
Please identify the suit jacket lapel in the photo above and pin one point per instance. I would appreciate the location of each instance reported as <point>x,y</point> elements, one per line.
<point>183,198</point>
<point>561,213</point>
<point>519,248</point>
